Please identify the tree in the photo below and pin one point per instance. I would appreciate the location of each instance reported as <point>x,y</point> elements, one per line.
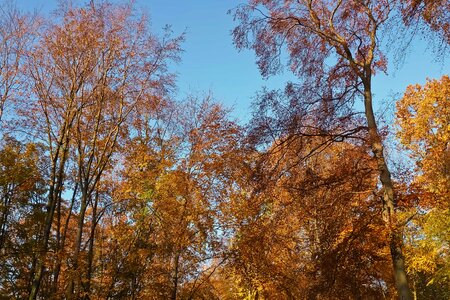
<point>16,33</point>
<point>427,255</point>
<point>310,226</point>
<point>434,13</point>
<point>334,47</point>
<point>22,191</point>
<point>423,117</point>
<point>161,231</point>
<point>91,73</point>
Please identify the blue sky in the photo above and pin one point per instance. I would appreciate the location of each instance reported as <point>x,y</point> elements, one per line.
<point>210,62</point>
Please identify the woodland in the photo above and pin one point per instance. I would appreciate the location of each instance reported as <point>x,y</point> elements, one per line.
<point>113,188</point>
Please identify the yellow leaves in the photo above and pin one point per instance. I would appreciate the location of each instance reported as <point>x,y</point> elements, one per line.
<point>428,249</point>
<point>423,261</point>
<point>423,117</point>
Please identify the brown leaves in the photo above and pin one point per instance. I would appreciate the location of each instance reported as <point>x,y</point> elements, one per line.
<point>435,14</point>
<point>312,224</point>
<point>313,32</point>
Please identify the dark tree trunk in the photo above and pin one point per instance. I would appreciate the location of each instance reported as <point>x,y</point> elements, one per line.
<point>395,239</point>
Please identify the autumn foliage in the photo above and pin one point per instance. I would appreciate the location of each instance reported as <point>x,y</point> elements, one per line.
<point>113,188</point>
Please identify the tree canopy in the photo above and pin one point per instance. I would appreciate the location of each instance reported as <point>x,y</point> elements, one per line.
<point>112,186</point>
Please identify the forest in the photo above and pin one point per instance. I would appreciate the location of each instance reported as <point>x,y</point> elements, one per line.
<point>112,187</point>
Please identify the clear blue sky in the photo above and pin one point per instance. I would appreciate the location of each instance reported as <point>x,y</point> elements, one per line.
<point>211,62</point>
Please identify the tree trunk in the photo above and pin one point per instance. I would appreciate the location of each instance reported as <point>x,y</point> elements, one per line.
<point>53,198</point>
<point>59,158</point>
<point>175,277</point>
<point>91,246</point>
<point>78,240</point>
<point>57,269</point>
<point>43,247</point>
<point>4,219</point>
<point>395,239</point>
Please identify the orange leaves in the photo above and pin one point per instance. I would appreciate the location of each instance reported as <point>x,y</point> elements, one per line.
<point>16,37</point>
<point>174,175</point>
<point>96,74</point>
<point>311,223</point>
<point>22,190</point>
<point>163,193</point>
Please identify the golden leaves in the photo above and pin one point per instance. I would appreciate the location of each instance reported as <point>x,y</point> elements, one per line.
<point>423,117</point>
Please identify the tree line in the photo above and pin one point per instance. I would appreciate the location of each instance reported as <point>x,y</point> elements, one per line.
<point>111,188</point>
